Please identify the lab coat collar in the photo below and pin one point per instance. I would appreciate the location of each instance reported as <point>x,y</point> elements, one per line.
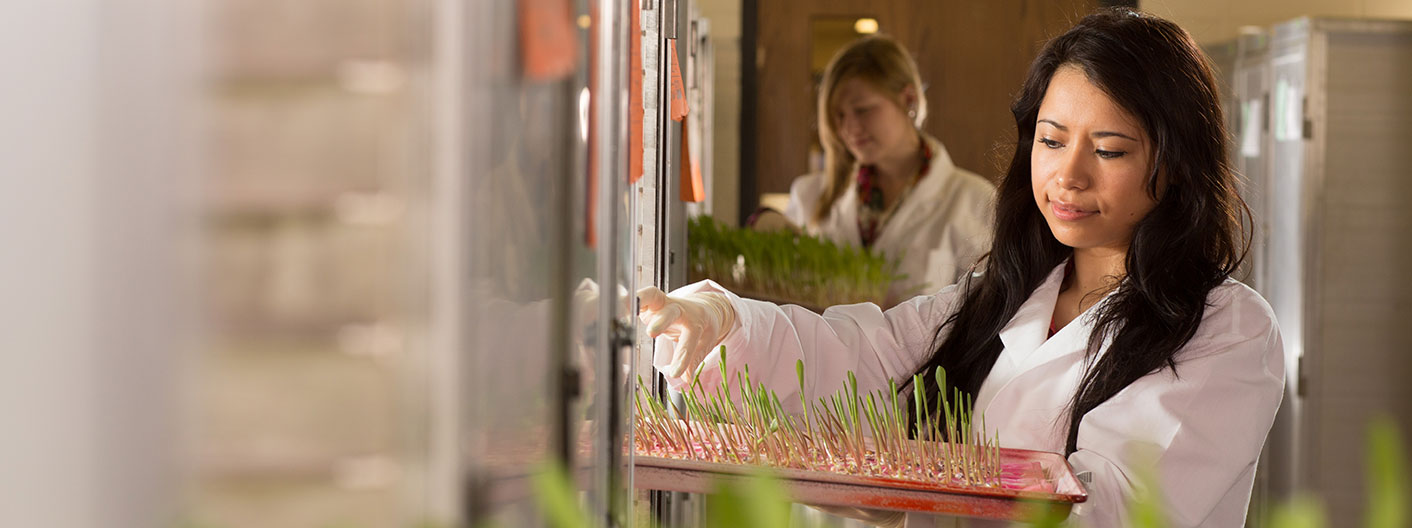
<point>938,171</point>
<point>845,217</point>
<point>845,210</point>
<point>1029,328</point>
<point>1028,331</point>
<point>918,202</point>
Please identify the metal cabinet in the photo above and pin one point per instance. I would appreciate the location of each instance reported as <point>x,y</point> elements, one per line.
<point>1335,177</point>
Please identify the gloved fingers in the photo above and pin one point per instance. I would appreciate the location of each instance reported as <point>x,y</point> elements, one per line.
<point>694,362</point>
<point>675,368</point>
<point>651,298</point>
<point>586,303</point>
<point>663,319</point>
<point>686,377</point>
<point>685,349</point>
<point>587,286</point>
<point>623,299</point>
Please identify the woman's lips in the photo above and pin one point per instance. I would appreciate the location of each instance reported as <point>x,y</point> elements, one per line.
<point>1069,212</point>
<point>860,141</point>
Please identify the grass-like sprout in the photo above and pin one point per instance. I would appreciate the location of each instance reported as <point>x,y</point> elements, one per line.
<point>845,432</point>
<point>787,267</point>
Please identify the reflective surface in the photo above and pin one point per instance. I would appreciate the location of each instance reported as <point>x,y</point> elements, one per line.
<point>547,256</point>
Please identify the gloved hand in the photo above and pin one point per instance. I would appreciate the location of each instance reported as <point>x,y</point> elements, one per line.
<point>695,322</point>
<point>585,304</point>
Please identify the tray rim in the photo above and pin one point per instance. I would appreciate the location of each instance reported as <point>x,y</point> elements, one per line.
<point>1068,489</point>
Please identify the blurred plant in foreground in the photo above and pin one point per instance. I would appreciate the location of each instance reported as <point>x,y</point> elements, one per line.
<point>757,500</point>
<point>1387,490</point>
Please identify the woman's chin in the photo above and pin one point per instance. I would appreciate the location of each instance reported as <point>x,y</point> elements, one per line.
<point>1066,236</point>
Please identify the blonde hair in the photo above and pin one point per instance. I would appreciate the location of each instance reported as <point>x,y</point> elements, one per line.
<point>881,62</point>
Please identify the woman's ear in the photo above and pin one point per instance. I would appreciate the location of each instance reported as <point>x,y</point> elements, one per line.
<point>908,98</point>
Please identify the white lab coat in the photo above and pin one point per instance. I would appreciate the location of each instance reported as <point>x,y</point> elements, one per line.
<point>1205,426</point>
<point>937,232</point>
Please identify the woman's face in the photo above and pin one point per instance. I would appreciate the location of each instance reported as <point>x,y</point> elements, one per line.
<point>1089,165</point>
<point>873,125</point>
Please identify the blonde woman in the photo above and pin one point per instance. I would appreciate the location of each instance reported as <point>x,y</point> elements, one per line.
<point>886,184</point>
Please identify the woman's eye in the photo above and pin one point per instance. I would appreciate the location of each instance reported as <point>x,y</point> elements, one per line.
<point>1049,143</point>
<point>1109,154</point>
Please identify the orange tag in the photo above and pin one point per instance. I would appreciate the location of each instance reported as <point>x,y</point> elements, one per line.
<point>693,188</point>
<point>679,109</point>
<point>635,108</point>
<point>547,39</point>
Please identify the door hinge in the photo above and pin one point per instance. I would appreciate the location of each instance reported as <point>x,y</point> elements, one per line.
<point>1301,387</point>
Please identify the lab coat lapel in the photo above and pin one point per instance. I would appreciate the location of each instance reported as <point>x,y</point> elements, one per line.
<point>1028,346</point>
<point>1027,343</point>
<point>1029,328</point>
<point>844,219</point>
<point>1073,338</point>
<point>922,200</point>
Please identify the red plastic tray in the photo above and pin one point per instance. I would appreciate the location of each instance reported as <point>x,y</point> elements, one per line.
<point>837,489</point>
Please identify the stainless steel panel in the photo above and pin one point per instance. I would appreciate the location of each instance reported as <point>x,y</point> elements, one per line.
<point>1285,248</point>
<point>1339,241</point>
<point>1274,480</point>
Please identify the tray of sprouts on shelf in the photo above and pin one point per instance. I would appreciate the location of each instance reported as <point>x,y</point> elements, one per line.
<point>785,267</point>
<point>849,449</point>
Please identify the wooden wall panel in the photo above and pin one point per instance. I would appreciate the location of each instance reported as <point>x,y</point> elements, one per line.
<point>972,57</point>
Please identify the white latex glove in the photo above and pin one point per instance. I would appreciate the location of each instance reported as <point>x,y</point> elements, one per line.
<point>586,303</point>
<point>695,322</point>
<point>585,315</point>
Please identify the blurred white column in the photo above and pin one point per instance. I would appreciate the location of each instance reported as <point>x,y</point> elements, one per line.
<point>445,447</point>
<point>93,157</point>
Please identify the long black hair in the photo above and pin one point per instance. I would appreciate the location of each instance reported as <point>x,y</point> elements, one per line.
<point>1186,246</point>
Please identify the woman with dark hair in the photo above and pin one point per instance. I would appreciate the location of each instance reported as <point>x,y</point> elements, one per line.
<point>1103,323</point>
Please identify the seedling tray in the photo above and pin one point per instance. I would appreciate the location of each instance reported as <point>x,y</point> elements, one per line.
<point>1062,489</point>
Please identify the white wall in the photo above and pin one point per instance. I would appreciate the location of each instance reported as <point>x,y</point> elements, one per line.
<point>1212,21</point>
<point>725,17</point>
<point>88,238</point>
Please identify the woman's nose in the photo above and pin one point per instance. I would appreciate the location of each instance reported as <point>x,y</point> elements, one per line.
<point>848,125</point>
<point>1073,172</point>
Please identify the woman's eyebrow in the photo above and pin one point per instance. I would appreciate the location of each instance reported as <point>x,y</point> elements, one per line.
<point>1108,133</point>
<point>1099,134</point>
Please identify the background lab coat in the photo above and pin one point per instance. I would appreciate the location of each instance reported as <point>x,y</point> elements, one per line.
<point>1205,428</point>
<point>938,231</point>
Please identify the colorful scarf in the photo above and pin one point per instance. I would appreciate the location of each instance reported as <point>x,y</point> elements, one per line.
<point>872,216</point>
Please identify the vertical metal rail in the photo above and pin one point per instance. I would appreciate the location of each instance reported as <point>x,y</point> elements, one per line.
<point>664,502</point>
<point>661,502</point>
<point>672,508</point>
<point>608,494</point>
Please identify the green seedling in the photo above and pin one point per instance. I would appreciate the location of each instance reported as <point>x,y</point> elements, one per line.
<point>850,431</point>
<point>788,267</point>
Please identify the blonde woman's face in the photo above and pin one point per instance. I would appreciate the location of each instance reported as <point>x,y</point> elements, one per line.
<point>872,124</point>
<point>1089,165</point>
